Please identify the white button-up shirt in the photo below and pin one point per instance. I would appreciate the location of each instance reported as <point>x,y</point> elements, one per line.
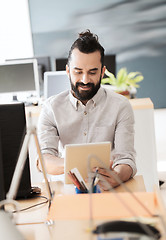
<point>108,116</point>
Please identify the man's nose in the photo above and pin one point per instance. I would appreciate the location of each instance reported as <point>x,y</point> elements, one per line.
<point>85,79</point>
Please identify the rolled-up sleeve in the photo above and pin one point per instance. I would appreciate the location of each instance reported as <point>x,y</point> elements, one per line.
<point>123,151</point>
<point>47,131</point>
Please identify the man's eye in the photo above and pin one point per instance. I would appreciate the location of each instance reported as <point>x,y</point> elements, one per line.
<point>92,73</point>
<point>78,72</point>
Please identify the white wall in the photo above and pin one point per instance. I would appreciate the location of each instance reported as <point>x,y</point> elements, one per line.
<point>15,30</point>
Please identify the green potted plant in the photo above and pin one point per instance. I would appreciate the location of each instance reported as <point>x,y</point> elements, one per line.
<point>125,83</point>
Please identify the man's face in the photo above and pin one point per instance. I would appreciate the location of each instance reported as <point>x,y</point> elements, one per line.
<point>85,73</point>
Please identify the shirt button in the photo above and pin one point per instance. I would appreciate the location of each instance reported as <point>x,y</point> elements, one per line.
<point>85,113</point>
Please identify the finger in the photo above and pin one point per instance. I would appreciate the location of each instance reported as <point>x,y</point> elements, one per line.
<point>111,163</point>
<point>103,184</point>
<point>95,169</point>
<point>103,172</point>
<point>109,179</point>
<point>91,175</point>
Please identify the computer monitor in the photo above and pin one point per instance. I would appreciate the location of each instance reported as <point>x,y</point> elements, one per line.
<point>55,82</point>
<point>45,64</point>
<point>12,132</point>
<point>2,187</point>
<point>110,63</point>
<point>60,64</point>
<point>19,78</point>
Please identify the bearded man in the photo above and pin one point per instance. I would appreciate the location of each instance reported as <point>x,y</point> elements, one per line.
<point>88,113</point>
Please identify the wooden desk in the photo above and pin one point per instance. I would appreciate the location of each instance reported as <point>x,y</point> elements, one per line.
<point>141,103</point>
<point>31,223</point>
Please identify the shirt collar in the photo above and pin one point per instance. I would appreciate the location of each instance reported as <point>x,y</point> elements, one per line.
<point>95,100</point>
<point>73,100</point>
<point>97,97</point>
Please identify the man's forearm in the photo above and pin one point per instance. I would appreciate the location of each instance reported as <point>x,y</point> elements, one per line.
<point>54,165</point>
<point>123,171</point>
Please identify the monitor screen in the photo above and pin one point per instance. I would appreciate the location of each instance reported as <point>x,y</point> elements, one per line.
<point>60,64</point>
<point>44,63</point>
<point>2,187</point>
<point>19,76</point>
<point>110,63</point>
<point>12,132</point>
<point>55,82</point>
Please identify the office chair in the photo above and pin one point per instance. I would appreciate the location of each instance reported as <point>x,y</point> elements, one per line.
<point>55,82</point>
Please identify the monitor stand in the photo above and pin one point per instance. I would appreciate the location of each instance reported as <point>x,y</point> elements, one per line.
<point>15,99</point>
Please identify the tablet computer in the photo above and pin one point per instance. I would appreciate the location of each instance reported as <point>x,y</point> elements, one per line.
<point>77,155</point>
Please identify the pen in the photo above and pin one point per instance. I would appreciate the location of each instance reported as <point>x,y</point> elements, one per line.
<point>85,189</point>
<point>95,180</point>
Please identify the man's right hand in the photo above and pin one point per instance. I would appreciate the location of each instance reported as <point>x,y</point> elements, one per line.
<point>54,165</point>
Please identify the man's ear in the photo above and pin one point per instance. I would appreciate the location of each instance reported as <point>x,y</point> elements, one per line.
<point>103,71</point>
<point>67,70</point>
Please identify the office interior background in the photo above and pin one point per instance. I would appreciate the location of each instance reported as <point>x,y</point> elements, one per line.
<point>133,30</point>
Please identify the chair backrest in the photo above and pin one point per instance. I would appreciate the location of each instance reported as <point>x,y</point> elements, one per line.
<point>55,82</point>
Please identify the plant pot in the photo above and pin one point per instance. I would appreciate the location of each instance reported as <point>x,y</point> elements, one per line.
<point>124,93</point>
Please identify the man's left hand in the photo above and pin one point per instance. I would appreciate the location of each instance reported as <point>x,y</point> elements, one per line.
<point>108,181</point>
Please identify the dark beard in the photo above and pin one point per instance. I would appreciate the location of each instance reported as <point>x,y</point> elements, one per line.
<point>85,95</point>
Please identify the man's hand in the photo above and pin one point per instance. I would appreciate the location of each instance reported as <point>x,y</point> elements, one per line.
<point>107,181</point>
<point>54,165</point>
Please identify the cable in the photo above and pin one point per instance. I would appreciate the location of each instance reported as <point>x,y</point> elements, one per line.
<point>32,206</point>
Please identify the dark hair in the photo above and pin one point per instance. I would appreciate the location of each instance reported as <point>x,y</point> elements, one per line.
<point>87,42</point>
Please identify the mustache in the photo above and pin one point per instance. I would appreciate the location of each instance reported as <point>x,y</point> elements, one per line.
<point>84,85</point>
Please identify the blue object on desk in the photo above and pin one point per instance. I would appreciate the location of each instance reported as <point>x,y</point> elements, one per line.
<point>96,189</point>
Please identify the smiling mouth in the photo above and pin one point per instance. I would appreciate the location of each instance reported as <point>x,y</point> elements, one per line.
<point>85,87</point>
